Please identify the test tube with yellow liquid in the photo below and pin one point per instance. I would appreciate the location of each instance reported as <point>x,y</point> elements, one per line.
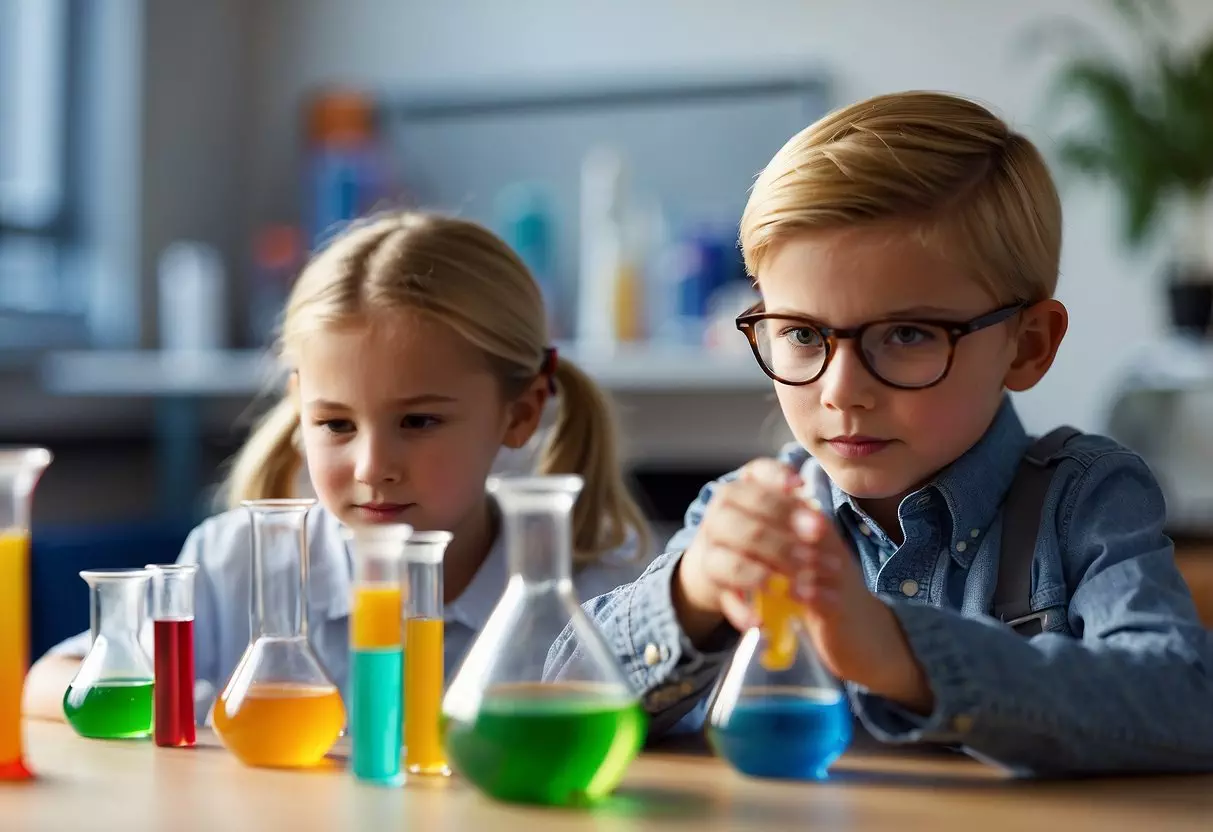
<point>377,653</point>
<point>424,666</point>
<point>20,469</point>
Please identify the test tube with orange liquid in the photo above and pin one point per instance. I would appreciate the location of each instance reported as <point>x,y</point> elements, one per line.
<point>424,669</point>
<point>279,709</point>
<point>20,469</point>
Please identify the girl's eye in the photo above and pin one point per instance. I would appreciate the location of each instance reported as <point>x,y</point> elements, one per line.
<point>338,426</point>
<point>419,421</point>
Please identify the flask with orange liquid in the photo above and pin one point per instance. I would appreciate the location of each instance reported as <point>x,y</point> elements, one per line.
<point>777,711</point>
<point>424,643</point>
<point>279,709</point>
<point>20,469</point>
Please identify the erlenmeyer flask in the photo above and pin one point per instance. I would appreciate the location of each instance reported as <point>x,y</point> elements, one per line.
<point>20,469</point>
<point>510,733</point>
<point>111,694</point>
<point>776,711</point>
<point>279,709</point>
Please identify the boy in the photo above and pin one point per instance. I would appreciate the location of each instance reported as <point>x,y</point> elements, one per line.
<point>906,249</point>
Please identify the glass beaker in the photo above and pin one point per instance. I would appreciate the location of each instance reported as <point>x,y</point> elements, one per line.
<point>776,711</point>
<point>111,694</point>
<point>173,638</point>
<point>377,652</point>
<point>20,469</point>
<point>279,709</point>
<point>513,735</point>
<point>424,670</point>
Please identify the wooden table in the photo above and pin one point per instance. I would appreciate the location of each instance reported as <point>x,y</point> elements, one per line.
<point>132,786</point>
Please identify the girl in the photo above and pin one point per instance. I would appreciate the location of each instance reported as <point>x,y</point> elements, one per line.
<point>417,348</point>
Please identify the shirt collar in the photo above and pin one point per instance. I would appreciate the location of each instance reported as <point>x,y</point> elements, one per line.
<point>474,605</point>
<point>972,488</point>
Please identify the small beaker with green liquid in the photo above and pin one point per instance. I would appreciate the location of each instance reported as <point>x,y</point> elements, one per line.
<point>511,731</point>
<point>111,694</point>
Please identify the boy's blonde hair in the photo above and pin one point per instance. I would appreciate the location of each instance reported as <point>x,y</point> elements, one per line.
<point>459,273</point>
<point>969,187</point>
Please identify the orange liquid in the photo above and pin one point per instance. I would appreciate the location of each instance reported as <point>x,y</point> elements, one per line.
<point>14,649</point>
<point>375,621</point>
<point>776,610</point>
<point>423,674</point>
<point>282,725</point>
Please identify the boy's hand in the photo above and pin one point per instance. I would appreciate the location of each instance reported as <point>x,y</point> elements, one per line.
<point>857,636</point>
<point>745,533</point>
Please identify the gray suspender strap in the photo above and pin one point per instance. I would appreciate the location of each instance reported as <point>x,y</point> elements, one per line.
<point>1020,524</point>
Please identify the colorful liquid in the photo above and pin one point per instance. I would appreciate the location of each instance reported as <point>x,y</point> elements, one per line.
<point>281,725</point>
<point>111,710</point>
<point>174,683</point>
<point>14,649</point>
<point>785,733</point>
<point>777,610</point>
<point>375,619</point>
<point>552,744</point>
<point>423,679</point>
<point>376,713</point>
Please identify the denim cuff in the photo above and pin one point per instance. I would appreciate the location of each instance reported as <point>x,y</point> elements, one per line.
<point>947,669</point>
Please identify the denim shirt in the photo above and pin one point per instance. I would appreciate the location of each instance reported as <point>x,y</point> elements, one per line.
<point>1123,680</point>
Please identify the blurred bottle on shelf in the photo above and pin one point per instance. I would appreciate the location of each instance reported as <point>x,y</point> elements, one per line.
<point>277,258</point>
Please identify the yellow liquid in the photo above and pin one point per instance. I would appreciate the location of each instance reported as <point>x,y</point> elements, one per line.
<point>423,675</point>
<point>14,648</point>
<point>375,621</point>
<point>776,610</point>
<point>282,725</point>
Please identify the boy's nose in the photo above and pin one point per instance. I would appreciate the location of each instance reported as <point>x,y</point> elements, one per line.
<point>846,383</point>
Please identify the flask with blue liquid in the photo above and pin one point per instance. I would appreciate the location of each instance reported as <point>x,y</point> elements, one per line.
<point>777,712</point>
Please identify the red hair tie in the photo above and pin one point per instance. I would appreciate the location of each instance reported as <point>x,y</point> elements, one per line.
<point>550,359</point>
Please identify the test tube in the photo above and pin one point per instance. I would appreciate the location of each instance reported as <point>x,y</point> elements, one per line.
<point>423,650</point>
<point>173,626</point>
<point>376,653</point>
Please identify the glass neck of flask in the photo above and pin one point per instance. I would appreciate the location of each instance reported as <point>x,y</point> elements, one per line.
<point>117,606</point>
<point>538,530</point>
<point>279,573</point>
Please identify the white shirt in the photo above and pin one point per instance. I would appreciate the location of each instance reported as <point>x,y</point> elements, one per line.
<point>221,546</point>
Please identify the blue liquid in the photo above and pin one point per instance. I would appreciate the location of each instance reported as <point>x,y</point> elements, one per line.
<point>376,714</point>
<point>786,733</point>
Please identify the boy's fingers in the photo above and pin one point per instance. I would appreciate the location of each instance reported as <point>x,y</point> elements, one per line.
<point>736,611</point>
<point>771,473</point>
<point>760,500</point>
<point>753,536</point>
<point>728,568</point>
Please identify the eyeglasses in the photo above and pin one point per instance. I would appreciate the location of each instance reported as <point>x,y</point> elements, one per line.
<point>909,354</point>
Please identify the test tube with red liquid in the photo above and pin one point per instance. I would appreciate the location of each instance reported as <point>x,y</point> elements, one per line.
<point>173,623</point>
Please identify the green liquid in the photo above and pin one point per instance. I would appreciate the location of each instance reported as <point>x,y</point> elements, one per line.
<point>564,747</point>
<point>119,709</point>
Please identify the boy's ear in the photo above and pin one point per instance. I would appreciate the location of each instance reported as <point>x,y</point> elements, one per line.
<point>1041,328</point>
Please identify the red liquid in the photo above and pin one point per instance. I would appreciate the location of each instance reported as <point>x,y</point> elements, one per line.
<point>174,691</point>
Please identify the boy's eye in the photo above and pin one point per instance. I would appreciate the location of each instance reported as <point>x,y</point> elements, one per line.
<point>337,425</point>
<point>802,336</point>
<point>419,421</point>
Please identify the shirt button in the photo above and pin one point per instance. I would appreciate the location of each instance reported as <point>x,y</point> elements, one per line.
<point>865,530</point>
<point>652,654</point>
<point>974,533</point>
<point>961,546</point>
<point>909,588</point>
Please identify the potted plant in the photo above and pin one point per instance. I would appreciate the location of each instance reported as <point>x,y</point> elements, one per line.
<point>1149,132</point>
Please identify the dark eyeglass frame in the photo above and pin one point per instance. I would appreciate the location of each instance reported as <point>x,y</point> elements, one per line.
<point>748,321</point>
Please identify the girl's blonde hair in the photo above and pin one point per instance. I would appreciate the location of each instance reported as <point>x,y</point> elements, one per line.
<point>459,273</point>
<point>967,185</point>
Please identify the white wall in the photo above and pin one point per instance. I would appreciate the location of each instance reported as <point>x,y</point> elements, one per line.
<point>866,46</point>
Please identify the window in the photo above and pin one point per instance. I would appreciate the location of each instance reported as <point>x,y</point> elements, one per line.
<point>40,300</point>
